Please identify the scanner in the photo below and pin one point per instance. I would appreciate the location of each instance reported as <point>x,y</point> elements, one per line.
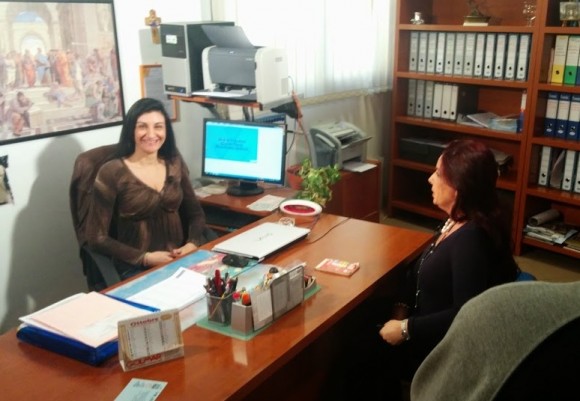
<point>336,143</point>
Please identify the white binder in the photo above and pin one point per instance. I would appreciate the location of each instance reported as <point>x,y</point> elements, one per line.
<point>437,100</point>
<point>489,55</point>
<point>569,166</point>
<point>453,102</point>
<point>545,161</point>
<point>459,53</point>
<point>449,53</point>
<point>446,101</point>
<point>577,176</point>
<point>500,53</point>
<point>511,56</point>
<point>422,57</point>
<point>413,50</point>
<point>419,98</point>
<point>411,96</point>
<point>440,56</point>
<point>431,52</point>
<point>523,57</point>
<point>479,54</point>
<point>559,63</point>
<point>428,103</point>
<point>469,57</point>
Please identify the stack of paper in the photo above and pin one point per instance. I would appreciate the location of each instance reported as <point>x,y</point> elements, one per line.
<point>88,318</point>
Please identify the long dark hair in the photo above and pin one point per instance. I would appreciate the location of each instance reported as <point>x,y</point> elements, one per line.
<point>126,145</point>
<point>470,168</point>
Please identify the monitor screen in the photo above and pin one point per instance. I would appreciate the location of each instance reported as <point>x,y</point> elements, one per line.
<point>247,151</point>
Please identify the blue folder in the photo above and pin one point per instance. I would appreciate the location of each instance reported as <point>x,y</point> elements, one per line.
<point>69,347</point>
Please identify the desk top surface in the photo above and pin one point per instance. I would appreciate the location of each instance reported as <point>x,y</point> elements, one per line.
<point>240,203</point>
<point>217,367</point>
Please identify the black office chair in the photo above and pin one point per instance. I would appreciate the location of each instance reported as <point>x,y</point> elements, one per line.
<point>99,269</point>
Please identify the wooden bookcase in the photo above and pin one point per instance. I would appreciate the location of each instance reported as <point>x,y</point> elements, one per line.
<point>409,190</point>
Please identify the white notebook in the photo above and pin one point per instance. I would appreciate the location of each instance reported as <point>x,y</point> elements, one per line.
<point>261,241</point>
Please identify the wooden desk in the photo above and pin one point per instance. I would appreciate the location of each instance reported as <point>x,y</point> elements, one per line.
<point>218,367</point>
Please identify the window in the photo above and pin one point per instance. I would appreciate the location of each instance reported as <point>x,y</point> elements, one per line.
<point>335,48</point>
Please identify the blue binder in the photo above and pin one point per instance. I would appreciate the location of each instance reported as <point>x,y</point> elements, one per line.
<point>72,348</point>
<point>574,119</point>
<point>551,111</point>
<point>562,115</point>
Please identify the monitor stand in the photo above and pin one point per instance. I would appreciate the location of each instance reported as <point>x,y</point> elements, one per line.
<point>245,188</point>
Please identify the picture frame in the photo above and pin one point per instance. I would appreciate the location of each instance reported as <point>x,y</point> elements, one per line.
<point>152,86</point>
<point>59,68</point>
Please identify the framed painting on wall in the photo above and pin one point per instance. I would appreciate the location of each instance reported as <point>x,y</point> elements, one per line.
<point>59,68</point>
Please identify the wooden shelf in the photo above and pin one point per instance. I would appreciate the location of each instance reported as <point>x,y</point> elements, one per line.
<point>408,187</point>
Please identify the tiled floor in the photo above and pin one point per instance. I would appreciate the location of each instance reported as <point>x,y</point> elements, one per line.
<point>545,265</point>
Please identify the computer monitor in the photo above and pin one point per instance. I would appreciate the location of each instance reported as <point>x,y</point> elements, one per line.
<point>247,151</point>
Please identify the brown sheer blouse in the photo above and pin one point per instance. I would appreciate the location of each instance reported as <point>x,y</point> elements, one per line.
<point>128,218</point>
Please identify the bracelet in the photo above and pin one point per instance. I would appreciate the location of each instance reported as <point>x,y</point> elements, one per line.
<point>404,330</point>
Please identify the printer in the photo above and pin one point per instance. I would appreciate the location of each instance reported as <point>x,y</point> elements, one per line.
<point>337,143</point>
<point>235,69</point>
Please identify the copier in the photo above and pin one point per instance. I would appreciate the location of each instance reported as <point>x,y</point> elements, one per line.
<point>336,143</point>
<point>233,68</point>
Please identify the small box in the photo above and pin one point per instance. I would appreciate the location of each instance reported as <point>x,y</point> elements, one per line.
<point>219,309</point>
<point>242,320</point>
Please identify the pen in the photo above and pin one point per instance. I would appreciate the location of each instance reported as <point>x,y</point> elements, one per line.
<point>218,283</point>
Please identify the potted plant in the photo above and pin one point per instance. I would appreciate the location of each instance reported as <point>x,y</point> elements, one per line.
<point>315,182</point>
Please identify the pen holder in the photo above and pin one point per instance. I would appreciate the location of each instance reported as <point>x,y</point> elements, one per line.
<point>219,309</point>
<point>242,318</point>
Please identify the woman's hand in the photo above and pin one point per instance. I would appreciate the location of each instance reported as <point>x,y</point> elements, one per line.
<point>157,258</point>
<point>185,249</point>
<point>391,332</point>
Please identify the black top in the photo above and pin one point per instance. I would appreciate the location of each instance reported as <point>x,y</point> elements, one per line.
<point>448,275</point>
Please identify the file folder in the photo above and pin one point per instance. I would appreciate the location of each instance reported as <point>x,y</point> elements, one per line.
<point>572,56</point>
<point>431,52</point>
<point>574,118</point>
<point>557,169</point>
<point>545,162</point>
<point>459,53</point>
<point>523,57</point>
<point>500,54</point>
<point>511,56</point>
<point>489,55</point>
<point>449,53</point>
<point>577,176</point>
<point>559,63</point>
<point>422,56</point>
<point>440,54</point>
<point>469,57</point>
<point>69,347</point>
<point>413,50</point>
<point>446,101</point>
<point>562,115</point>
<point>411,95</point>
<point>428,103</point>
<point>479,54</point>
<point>419,98</point>
<point>453,102</point>
<point>437,100</point>
<point>569,166</point>
<point>551,114</point>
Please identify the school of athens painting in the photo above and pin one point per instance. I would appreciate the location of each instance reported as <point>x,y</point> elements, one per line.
<point>59,68</point>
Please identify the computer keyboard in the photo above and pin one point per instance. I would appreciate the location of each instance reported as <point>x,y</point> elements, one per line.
<point>217,216</point>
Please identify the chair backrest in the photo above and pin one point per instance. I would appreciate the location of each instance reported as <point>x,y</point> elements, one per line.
<point>85,170</point>
<point>99,270</point>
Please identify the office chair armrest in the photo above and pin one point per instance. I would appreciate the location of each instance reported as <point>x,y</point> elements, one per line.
<point>103,264</point>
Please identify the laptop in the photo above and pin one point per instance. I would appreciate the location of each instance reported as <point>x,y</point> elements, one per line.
<point>261,241</point>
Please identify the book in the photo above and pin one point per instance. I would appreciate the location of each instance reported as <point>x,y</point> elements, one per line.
<point>337,266</point>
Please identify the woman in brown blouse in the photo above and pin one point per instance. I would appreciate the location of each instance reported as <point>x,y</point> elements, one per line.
<point>144,211</point>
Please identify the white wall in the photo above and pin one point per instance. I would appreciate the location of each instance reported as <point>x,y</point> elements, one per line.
<point>39,261</point>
